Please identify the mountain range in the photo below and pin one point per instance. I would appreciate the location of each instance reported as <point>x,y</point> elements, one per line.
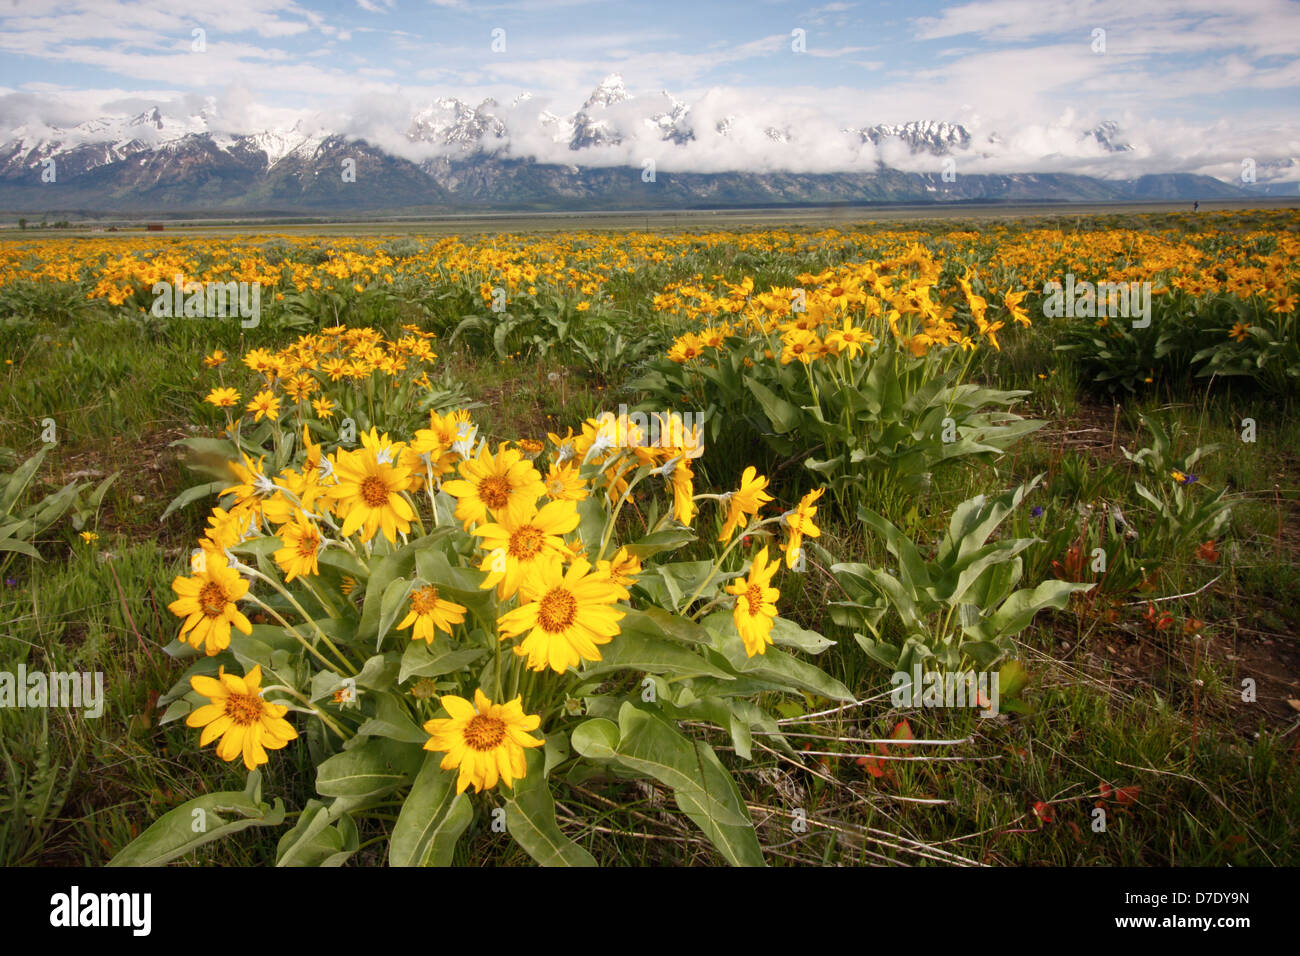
<point>453,156</point>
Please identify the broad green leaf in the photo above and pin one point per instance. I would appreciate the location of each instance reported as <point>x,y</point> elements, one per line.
<point>661,541</point>
<point>782,415</point>
<point>596,739</point>
<point>912,566</point>
<point>656,622</point>
<point>953,588</point>
<point>196,822</point>
<point>379,672</point>
<point>786,633</point>
<point>431,820</point>
<point>530,818</point>
<point>20,479</point>
<point>639,652</point>
<point>1019,609</point>
<point>393,722</point>
<point>392,604</point>
<point>704,791</point>
<point>773,667</point>
<point>424,660</point>
<point>383,573</point>
<point>1012,679</point>
<point>377,766</point>
<point>455,583</point>
<point>21,547</point>
<point>322,833</point>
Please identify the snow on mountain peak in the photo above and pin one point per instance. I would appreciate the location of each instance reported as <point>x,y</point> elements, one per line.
<point>610,90</point>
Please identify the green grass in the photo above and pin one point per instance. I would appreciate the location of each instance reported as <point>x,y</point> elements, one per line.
<point>1203,777</point>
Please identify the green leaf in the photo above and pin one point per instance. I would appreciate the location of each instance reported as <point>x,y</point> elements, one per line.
<point>392,604</point>
<point>782,415</point>
<point>431,820</point>
<point>660,541</point>
<point>191,495</point>
<point>786,633</point>
<point>383,573</point>
<point>530,818</point>
<point>912,566</point>
<point>656,622</point>
<point>639,652</point>
<point>345,562</point>
<point>19,480</point>
<point>1019,609</point>
<point>649,744</point>
<point>1012,679</point>
<point>591,525</point>
<point>377,766</point>
<point>455,583</point>
<point>596,739</point>
<point>772,667</point>
<point>22,547</point>
<point>379,672</point>
<point>424,660</point>
<point>953,588</point>
<point>322,835</point>
<point>215,815</point>
<point>393,722</point>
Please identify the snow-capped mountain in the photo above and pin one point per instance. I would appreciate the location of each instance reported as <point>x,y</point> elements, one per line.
<point>609,91</point>
<point>591,128</point>
<point>452,153</point>
<point>936,138</point>
<point>1106,133</point>
<point>275,145</point>
<point>450,122</point>
<point>672,120</point>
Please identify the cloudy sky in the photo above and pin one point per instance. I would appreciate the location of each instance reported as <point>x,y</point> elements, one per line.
<point>1194,86</point>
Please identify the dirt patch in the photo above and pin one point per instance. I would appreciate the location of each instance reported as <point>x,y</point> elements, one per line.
<point>1165,661</point>
<point>1096,428</point>
<point>150,476</point>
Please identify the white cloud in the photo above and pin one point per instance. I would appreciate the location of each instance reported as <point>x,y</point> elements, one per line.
<point>1020,75</point>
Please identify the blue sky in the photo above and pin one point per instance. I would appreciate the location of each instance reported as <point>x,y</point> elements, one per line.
<point>1175,75</point>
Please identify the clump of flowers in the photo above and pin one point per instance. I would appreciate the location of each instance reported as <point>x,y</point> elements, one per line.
<point>428,593</point>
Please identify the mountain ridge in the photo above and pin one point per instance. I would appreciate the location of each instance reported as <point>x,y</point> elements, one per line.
<point>453,156</point>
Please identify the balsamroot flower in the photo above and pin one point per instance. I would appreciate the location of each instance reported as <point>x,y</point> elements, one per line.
<point>747,501</point>
<point>567,615</point>
<point>513,547</point>
<point>430,613</point>
<point>302,546</point>
<point>369,495</point>
<point>207,602</point>
<point>800,523</point>
<point>246,724</point>
<point>756,604</point>
<point>484,740</point>
<point>504,485</point>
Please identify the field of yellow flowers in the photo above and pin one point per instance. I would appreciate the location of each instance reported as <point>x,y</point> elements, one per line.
<point>932,544</point>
